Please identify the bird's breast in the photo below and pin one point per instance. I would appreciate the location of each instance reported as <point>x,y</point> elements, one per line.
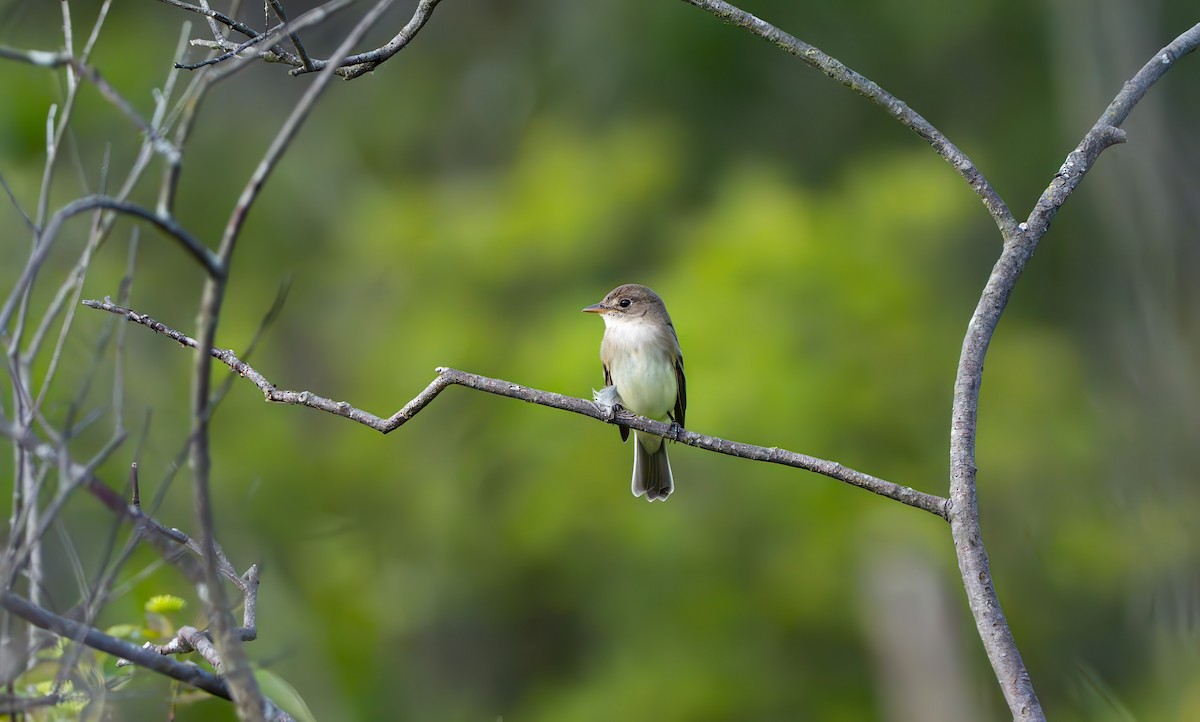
<point>641,360</point>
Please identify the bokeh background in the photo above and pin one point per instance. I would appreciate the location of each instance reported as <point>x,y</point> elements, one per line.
<point>461,204</point>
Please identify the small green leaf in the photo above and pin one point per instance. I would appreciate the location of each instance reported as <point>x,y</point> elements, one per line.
<point>44,688</point>
<point>283,694</point>
<point>124,631</point>
<point>54,652</point>
<point>165,604</point>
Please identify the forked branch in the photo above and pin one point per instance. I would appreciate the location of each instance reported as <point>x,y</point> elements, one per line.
<point>1020,241</point>
<point>964,517</point>
<point>265,45</point>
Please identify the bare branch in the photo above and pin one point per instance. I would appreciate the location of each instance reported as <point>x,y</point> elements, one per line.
<point>225,20</point>
<point>170,542</point>
<point>94,638</point>
<point>895,107</point>
<point>160,144</point>
<point>347,66</point>
<point>273,53</point>
<point>247,696</point>
<point>29,224</point>
<point>449,377</point>
<point>14,705</point>
<point>166,224</point>
<point>191,639</point>
<point>186,640</point>
<point>355,65</point>
<point>148,658</point>
<point>1020,241</point>
<point>277,8</point>
<point>1106,132</point>
<point>964,515</point>
<point>39,58</point>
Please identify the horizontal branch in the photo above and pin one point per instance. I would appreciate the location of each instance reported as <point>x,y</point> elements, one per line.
<point>94,638</point>
<point>451,377</point>
<point>39,58</point>
<point>148,658</point>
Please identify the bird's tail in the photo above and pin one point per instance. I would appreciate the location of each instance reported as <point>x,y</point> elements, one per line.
<point>651,469</point>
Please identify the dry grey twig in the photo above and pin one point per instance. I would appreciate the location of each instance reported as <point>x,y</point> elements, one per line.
<point>451,377</point>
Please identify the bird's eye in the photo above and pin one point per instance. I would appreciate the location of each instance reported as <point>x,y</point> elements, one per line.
<point>624,303</point>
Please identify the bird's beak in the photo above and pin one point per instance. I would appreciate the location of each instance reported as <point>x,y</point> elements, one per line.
<point>596,308</point>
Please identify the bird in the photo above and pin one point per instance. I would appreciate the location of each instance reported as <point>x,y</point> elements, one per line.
<point>643,373</point>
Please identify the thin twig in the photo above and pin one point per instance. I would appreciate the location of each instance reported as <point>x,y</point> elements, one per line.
<point>449,377</point>
<point>29,224</point>
<point>347,66</point>
<point>244,687</point>
<point>269,37</point>
<point>160,144</point>
<point>120,648</point>
<point>94,638</point>
<point>225,20</point>
<point>166,224</point>
<point>171,543</point>
<point>272,52</point>
<point>277,8</point>
<point>190,639</point>
<point>353,66</point>
<point>38,58</point>
<point>895,107</point>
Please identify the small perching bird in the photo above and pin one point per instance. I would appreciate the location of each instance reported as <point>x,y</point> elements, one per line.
<point>644,367</point>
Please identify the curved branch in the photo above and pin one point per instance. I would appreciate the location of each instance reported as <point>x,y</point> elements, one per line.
<point>895,107</point>
<point>964,515</point>
<point>1020,241</point>
<point>1107,131</point>
<point>451,377</point>
<point>166,224</point>
<point>347,66</point>
<point>353,66</point>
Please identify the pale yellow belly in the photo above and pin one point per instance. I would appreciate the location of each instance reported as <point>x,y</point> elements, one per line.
<point>646,383</point>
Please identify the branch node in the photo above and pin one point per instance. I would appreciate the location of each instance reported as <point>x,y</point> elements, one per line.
<point>133,483</point>
<point>1112,135</point>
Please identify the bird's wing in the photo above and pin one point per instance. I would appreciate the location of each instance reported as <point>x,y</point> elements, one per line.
<point>681,394</point>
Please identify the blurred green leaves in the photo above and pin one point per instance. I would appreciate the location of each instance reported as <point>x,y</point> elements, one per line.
<point>463,203</point>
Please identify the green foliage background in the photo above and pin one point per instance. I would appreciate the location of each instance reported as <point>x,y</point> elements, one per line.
<point>457,208</point>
